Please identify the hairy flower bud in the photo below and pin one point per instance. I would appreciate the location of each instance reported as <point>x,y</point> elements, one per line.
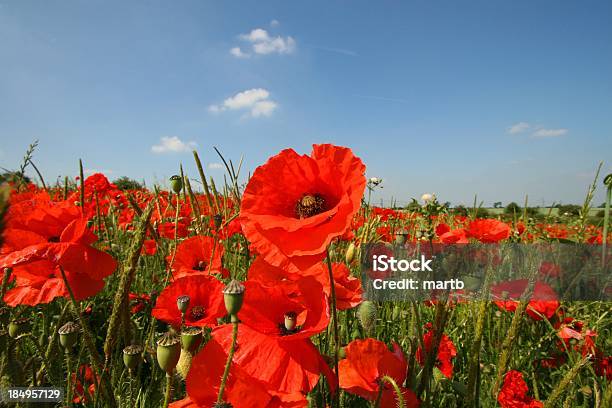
<point>18,327</point>
<point>350,253</point>
<point>367,314</point>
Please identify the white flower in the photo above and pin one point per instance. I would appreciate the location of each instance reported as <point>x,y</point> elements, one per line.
<point>427,197</point>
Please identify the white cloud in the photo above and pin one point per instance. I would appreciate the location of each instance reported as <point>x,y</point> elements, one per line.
<point>215,166</point>
<point>172,144</point>
<point>549,132</point>
<point>255,100</point>
<point>238,53</point>
<point>519,127</point>
<point>274,23</point>
<point>262,43</point>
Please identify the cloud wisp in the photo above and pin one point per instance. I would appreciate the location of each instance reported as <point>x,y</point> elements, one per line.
<point>256,102</point>
<point>536,131</point>
<point>259,41</point>
<point>172,144</point>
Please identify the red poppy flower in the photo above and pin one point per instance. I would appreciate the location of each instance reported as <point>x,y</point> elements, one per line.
<point>285,366</point>
<point>138,302</point>
<point>446,352</point>
<point>149,247</point>
<point>277,312</point>
<point>293,206</point>
<point>488,230</point>
<point>39,244</point>
<point>457,236</point>
<point>166,229</point>
<point>366,363</point>
<point>84,382</point>
<point>242,390</point>
<point>205,301</point>
<point>198,255</point>
<point>513,393</point>
<point>544,300</point>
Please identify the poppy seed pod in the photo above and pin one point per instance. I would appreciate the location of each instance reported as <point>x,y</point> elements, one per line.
<point>68,334</point>
<point>233,295</point>
<point>290,321</point>
<point>168,351</point>
<point>18,327</point>
<point>131,356</point>
<point>191,338</point>
<point>182,302</point>
<point>176,183</point>
<point>367,315</point>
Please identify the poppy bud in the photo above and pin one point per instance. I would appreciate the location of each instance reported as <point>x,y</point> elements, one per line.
<point>191,338</point>
<point>18,327</point>
<point>176,183</point>
<point>68,334</point>
<point>182,302</point>
<point>367,315</point>
<point>350,253</point>
<point>131,356</point>
<point>290,321</point>
<point>233,294</point>
<point>168,351</point>
<point>608,180</point>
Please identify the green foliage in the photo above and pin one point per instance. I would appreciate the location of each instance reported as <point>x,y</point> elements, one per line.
<point>571,210</point>
<point>126,183</point>
<point>13,177</point>
<point>513,208</point>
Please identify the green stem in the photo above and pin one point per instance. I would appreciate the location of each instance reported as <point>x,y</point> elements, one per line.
<point>398,392</point>
<point>334,314</point>
<point>604,238</point>
<point>68,379</point>
<point>168,393</point>
<point>228,363</point>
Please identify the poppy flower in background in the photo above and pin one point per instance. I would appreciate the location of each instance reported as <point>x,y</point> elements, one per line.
<point>242,390</point>
<point>294,206</point>
<point>513,393</point>
<point>166,229</point>
<point>271,311</point>
<point>138,302</point>
<point>366,363</point>
<point>544,300</point>
<point>488,230</point>
<point>205,301</point>
<point>457,236</point>
<point>285,366</point>
<point>198,255</point>
<point>41,241</point>
<point>84,384</point>
<point>446,352</point>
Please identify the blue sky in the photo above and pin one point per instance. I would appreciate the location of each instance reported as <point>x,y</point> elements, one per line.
<point>498,98</point>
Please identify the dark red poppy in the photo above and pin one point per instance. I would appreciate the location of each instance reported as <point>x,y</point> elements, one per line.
<point>198,255</point>
<point>446,352</point>
<point>488,230</point>
<point>205,301</point>
<point>544,300</point>
<point>285,366</point>
<point>366,363</point>
<point>293,206</point>
<point>138,302</point>
<point>513,393</point>
<point>84,382</point>
<point>285,312</point>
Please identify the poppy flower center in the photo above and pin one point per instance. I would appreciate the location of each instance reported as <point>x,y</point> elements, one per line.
<point>197,312</point>
<point>200,266</point>
<point>289,326</point>
<point>53,239</point>
<point>309,205</point>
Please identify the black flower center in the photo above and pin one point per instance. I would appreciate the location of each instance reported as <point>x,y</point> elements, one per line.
<point>53,239</point>
<point>197,312</point>
<point>309,205</point>
<point>200,266</point>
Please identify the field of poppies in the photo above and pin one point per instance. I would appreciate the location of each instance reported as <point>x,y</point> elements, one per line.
<point>250,295</point>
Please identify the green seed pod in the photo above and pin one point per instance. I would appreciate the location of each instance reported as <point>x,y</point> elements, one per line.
<point>176,183</point>
<point>350,253</point>
<point>131,356</point>
<point>608,180</point>
<point>233,295</point>
<point>290,321</point>
<point>18,327</point>
<point>182,303</point>
<point>184,363</point>
<point>191,338</point>
<point>168,351</point>
<point>367,314</point>
<point>69,334</point>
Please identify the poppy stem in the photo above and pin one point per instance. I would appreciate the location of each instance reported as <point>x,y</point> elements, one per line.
<point>230,357</point>
<point>379,396</point>
<point>168,393</point>
<point>68,378</point>
<point>398,392</point>
<point>334,313</point>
